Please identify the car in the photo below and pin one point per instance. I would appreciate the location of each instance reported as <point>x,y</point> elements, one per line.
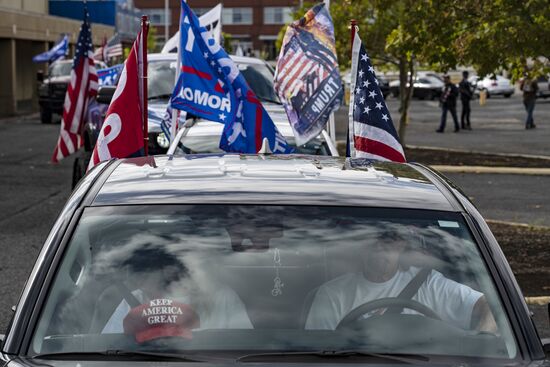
<point>201,136</point>
<point>383,83</point>
<point>161,76</point>
<point>544,87</point>
<point>493,85</point>
<point>426,86</point>
<point>231,258</point>
<point>52,89</point>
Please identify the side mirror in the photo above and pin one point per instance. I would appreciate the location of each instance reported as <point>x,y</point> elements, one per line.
<point>546,346</point>
<point>105,94</point>
<point>40,76</point>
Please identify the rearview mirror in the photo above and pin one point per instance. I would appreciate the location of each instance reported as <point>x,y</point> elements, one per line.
<point>105,94</point>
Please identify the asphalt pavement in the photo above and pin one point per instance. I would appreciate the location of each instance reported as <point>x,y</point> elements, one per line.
<point>497,127</point>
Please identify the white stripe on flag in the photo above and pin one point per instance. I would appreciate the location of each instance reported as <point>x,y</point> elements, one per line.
<point>81,98</point>
<point>375,133</point>
<point>64,135</point>
<point>290,75</point>
<point>73,78</point>
<point>298,79</point>
<point>361,154</point>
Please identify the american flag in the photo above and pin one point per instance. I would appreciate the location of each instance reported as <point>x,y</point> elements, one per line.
<point>114,47</point>
<point>82,86</point>
<point>371,130</point>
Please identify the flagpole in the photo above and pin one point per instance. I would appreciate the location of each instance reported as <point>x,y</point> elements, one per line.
<point>144,29</point>
<point>331,123</point>
<point>353,26</point>
<point>349,138</point>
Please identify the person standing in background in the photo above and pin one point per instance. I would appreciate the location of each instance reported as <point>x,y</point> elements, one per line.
<point>448,103</point>
<point>466,93</point>
<point>529,87</point>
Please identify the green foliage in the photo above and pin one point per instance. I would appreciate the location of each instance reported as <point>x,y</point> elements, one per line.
<point>494,35</point>
<point>227,38</point>
<point>151,39</point>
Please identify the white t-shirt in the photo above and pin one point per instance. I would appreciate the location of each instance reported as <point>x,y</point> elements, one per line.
<point>452,301</point>
<point>227,311</point>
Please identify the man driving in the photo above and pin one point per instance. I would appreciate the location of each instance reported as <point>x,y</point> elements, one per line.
<point>383,275</point>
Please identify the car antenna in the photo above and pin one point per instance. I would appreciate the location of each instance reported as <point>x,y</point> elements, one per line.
<point>265,148</point>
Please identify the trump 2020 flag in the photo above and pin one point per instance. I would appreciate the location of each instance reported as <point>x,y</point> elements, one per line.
<point>55,53</point>
<point>371,130</point>
<point>211,86</point>
<point>307,79</point>
<point>121,134</point>
<point>83,85</point>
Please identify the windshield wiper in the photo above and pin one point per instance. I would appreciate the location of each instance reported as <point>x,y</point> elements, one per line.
<point>401,358</point>
<point>129,354</point>
<point>160,96</point>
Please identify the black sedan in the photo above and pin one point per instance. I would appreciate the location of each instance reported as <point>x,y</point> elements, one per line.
<point>225,259</point>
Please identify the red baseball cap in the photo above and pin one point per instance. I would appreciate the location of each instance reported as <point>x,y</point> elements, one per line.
<point>160,318</point>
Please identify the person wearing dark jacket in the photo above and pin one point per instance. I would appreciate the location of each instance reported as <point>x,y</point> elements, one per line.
<point>529,87</point>
<point>448,103</point>
<point>466,93</point>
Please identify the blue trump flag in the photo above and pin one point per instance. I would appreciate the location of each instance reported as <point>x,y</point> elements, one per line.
<point>56,52</point>
<point>211,86</point>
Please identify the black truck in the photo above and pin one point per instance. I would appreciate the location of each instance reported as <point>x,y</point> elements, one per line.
<point>53,86</point>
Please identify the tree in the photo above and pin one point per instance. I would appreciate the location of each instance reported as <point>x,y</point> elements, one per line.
<point>489,35</point>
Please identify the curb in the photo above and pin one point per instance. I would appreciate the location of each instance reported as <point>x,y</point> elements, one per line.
<point>498,170</point>
<point>23,117</point>
<point>539,301</point>
<point>516,224</point>
<point>511,155</point>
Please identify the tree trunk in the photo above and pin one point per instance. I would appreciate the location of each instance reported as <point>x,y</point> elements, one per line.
<point>405,94</point>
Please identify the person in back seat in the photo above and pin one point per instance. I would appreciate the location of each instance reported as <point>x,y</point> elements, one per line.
<point>382,276</point>
<point>164,300</point>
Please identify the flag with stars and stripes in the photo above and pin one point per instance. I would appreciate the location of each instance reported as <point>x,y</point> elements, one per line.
<point>307,79</point>
<point>82,86</point>
<point>371,130</point>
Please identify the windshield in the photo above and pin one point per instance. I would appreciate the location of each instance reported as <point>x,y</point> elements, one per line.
<point>245,279</point>
<point>60,69</point>
<point>260,78</point>
<point>161,78</point>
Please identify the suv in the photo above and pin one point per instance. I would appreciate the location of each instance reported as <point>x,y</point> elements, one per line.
<point>161,75</point>
<point>51,90</point>
<point>544,87</point>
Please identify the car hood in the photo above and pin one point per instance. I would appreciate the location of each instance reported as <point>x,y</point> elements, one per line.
<point>64,79</point>
<point>157,109</point>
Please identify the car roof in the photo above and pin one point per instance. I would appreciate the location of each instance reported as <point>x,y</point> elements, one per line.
<point>268,179</point>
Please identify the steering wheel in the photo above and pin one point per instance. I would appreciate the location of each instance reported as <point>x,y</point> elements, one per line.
<point>389,302</point>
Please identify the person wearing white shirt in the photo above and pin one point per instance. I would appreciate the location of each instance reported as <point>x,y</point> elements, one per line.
<point>383,277</point>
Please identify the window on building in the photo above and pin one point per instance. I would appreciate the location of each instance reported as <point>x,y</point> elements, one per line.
<point>237,16</point>
<point>200,11</point>
<point>277,14</point>
<point>158,16</point>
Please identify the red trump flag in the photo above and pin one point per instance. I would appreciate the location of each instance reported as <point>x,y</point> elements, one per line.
<point>121,135</point>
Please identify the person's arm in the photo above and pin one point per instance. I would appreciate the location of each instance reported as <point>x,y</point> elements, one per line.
<point>482,318</point>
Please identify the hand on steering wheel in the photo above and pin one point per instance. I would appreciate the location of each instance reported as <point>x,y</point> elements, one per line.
<point>389,302</point>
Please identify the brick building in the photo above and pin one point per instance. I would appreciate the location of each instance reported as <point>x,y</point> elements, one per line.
<point>252,24</point>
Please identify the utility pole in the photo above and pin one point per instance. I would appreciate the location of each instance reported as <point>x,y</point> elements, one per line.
<point>166,19</point>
